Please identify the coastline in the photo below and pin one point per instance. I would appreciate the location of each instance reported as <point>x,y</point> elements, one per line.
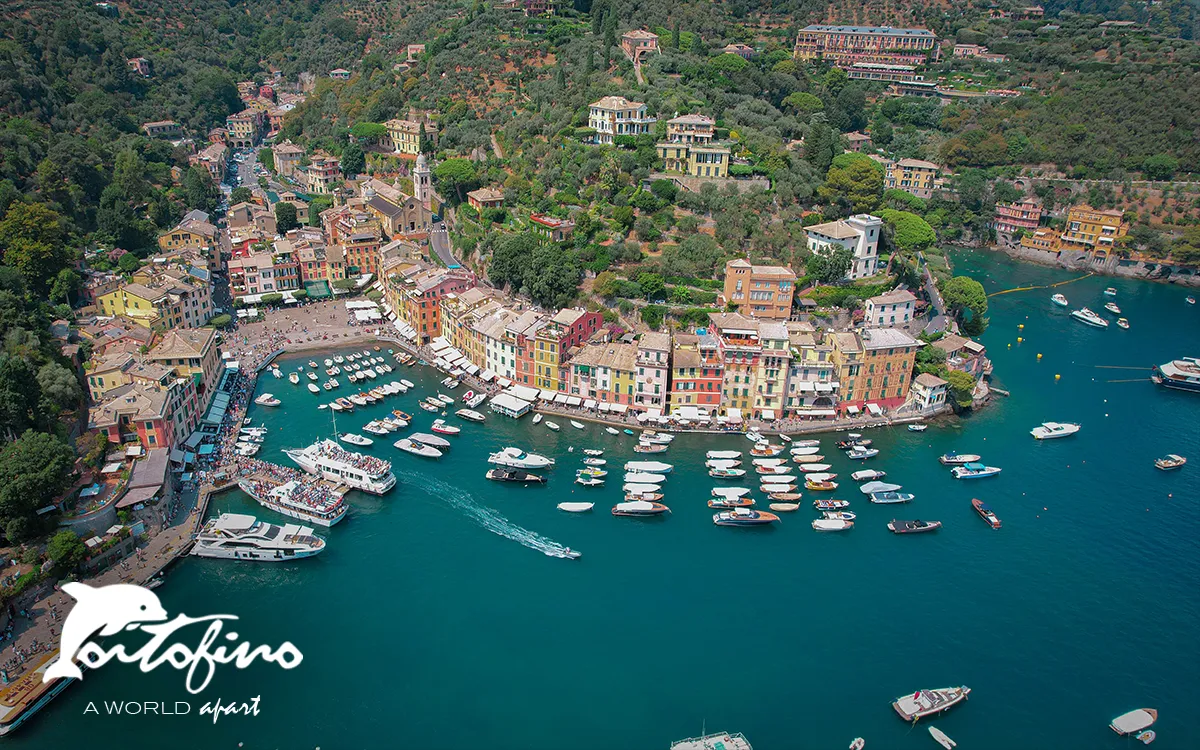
<point>1140,270</point>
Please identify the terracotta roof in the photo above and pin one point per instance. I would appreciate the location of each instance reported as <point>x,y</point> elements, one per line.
<point>839,230</point>
<point>616,102</point>
<point>183,342</point>
<point>614,356</point>
<point>928,380</point>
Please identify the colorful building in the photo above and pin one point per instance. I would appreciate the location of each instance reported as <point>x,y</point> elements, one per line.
<point>812,380</point>
<point>1024,216</point>
<point>859,234</point>
<point>416,296</point>
<point>638,43</point>
<point>770,376</point>
<point>690,149</point>
<point>605,373</point>
<point>287,158</point>
<point>405,136</point>
<point>190,353</point>
<point>1092,230</point>
<point>846,45</point>
<point>913,176</point>
<point>615,116</point>
<point>551,228</point>
<point>760,291</point>
<point>885,369</point>
<point>653,370</point>
<point>890,309</point>
<point>153,416</point>
<point>740,348</point>
<point>697,372</point>
<point>485,198</point>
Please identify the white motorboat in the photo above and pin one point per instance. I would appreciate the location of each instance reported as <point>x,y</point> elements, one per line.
<point>859,453</point>
<point>440,426</point>
<point>576,507</point>
<point>918,427</point>
<point>267,399</point>
<point>339,359</point>
<point>925,703</point>
<point>310,375</point>
<point>867,475</point>
<point>819,476</point>
<point>806,450</point>
<point>1086,316</point>
<point>247,449</point>
<point>328,460</point>
<point>612,431</point>
<point>589,481</point>
<point>328,362</point>
<point>407,383</point>
<point>940,737</point>
<point>641,477</point>
<point>238,536</point>
<point>974,471</point>
<point>1134,721</point>
<point>418,449</point>
<point>447,400</point>
<point>723,454</point>
<point>474,399</point>
<point>832,524</point>
<point>871,487</point>
<point>369,373</point>
<point>375,428</point>
<point>429,407</point>
<point>954,459</point>
<point>552,425</point>
<point>537,418</point>
<point>275,371</point>
<point>293,378</point>
<point>768,462</point>
<point>519,459</point>
<point>314,388</point>
<point>470,414</point>
<point>638,488</point>
<point>811,468</point>
<point>654,467</point>
<point>806,443</point>
<point>577,425</point>
<point>593,452</point>
<point>354,439</point>
<point>755,436</point>
<point>593,461</point>
<point>1060,300</point>
<point>1051,430</point>
<point>776,479</point>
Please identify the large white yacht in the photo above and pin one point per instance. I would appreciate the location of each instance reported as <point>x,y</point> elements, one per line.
<point>328,460</point>
<point>305,501</point>
<point>519,459</point>
<point>237,536</point>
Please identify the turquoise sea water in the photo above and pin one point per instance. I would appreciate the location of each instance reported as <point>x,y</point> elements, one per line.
<point>433,620</point>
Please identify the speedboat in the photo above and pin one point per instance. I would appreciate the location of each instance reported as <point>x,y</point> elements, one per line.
<point>639,508</point>
<point>859,453</point>
<point>974,471</point>
<point>354,439</point>
<point>870,487</point>
<point>805,444</point>
<point>293,378</point>
<point>913,527</point>
<point>641,477</point>
<point>786,497</point>
<point>339,359</point>
<point>891,498</point>
<point>652,436</point>
<point>1134,721</point>
<point>986,513</point>
<point>440,426</point>
<point>537,418</point>
<point>867,475</point>
<point>345,403</point>
<point>514,475</point>
<point>1190,300</point>
<point>519,459</point>
<point>593,452</point>
<point>830,504</point>
<point>591,471</point>
<point>1112,308</point>
<point>840,515</point>
<point>594,461</point>
<point>267,400</point>
<point>275,371</point>
<point>1111,292</point>
<point>1060,300</point>
<point>312,363</point>
<point>447,400</point>
<point>470,415</point>
<point>650,448</point>
<point>627,431</point>
<point>576,507</point>
<point>612,431</point>
<point>577,425</point>
<point>731,502</point>
<point>587,481</point>
<point>723,473</point>
<point>552,425</point>
<point>311,375</point>
<point>857,442</point>
<point>924,703</point>
<point>744,517</point>
<point>832,524</point>
<point>1084,315</point>
<point>418,449</point>
<point>653,467</point>
<point>755,436</point>
<point>375,428</point>
<point>1170,462</point>
<point>1050,430</point>
<point>953,459</point>
<point>1123,323</point>
<point>918,427</point>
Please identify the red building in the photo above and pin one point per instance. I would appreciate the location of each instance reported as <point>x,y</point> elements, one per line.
<point>1025,215</point>
<point>697,372</point>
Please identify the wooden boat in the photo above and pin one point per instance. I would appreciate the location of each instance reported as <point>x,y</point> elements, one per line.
<point>591,471</point>
<point>810,459</point>
<point>954,459</point>
<point>652,497</point>
<point>913,527</point>
<point>809,468</point>
<point>744,517</point>
<point>731,502</point>
<point>853,443</point>
<point>985,513</point>
<point>770,470</point>
<point>830,504</point>
<point>805,450</point>
<point>537,418</point>
<point>576,507</point>
<point>925,703</point>
<point>784,507</point>
<point>429,407</point>
<point>1170,462</point>
<point>724,473</point>
<point>1134,721</point>
<point>639,508</point>
<point>820,486</point>
<point>766,449</point>
<point>649,448</point>
<point>805,444</point>
<point>785,497</point>
<point>513,475</point>
<point>940,737</point>
<point>772,488</point>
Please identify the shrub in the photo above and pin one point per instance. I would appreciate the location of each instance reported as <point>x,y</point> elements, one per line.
<point>221,321</point>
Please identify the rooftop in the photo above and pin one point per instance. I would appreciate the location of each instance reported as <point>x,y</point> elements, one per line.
<point>894,297</point>
<point>928,380</point>
<point>616,102</point>
<point>614,356</point>
<point>917,164</point>
<point>487,194</point>
<point>838,230</point>
<point>639,34</point>
<point>868,30</point>
<point>184,342</point>
<point>656,341</point>
<point>886,338</point>
<point>691,119</point>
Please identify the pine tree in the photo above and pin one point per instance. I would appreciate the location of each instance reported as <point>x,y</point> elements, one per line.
<point>591,63</point>
<point>675,36</point>
<point>610,30</point>
<point>598,17</point>
<point>560,77</point>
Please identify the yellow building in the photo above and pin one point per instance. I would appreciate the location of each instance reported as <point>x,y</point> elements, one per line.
<point>405,136</point>
<point>190,233</point>
<point>690,149</point>
<point>1092,230</point>
<point>548,356</point>
<point>135,301</point>
<point>913,176</point>
<point>190,353</point>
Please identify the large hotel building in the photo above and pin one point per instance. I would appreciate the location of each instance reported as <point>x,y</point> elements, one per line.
<point>847,45</point>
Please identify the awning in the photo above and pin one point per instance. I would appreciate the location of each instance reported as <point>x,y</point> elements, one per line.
<point>619,408</point>
<point>816,413</point>
<point>487,376</point>
<point>560,398</point>
<point>504,382</point>
<point>133,450</point>
<point>735,416</point>
<point>524,392</point>
<point>804,386</point>
<point>112,468</point>
<point>824,387</point>
<point>206,449</point>
<point>852,409</point>
<point>574,401</point>
<point>768,414</point>
<point>589,404</point>
<point>546,395</point>
<point>472,368</point>
<point>439,343</point>
<point>91,491</point>
<point>643,417</point>
<point>604,406</point>
<point>874,409</point>
<point>137,496</point>
<point>176,456</point>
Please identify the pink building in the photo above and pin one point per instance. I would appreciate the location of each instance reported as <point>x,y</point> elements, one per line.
<point>1025,215</point>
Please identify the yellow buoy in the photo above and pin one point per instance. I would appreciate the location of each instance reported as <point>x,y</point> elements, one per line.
<point>1010,346</point>
<point>1057,377</point>
<point>1039,355</point>
<point>1021,325</point>
<point>1019,339</point>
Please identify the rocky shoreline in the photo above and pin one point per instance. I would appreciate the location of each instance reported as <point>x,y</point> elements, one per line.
<point>1077,261</point>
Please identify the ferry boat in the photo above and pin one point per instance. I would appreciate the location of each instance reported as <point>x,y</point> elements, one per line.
<point>867,475</point>
<point>238,536</point>
<point>519,459</point>
<point>832,524</point>
<point>744,517</point>
<point>653,467</point>
<point>1051,430</point>
<point>329,460</point>
<point>954,459</point>
<point>417,449</point>
<point>974,471</point>
<point>913,527</point>
<point>986,513</point>
<point>1060,300</point>
<point>513,475</point>
<point>639,508</point>
<point>1179,374</point>
<point>924,703</point>
<point>1134,721</point>
<point>303,501</point>
<point>1086,316</point>
<point>1170,462</point>
<point>891,498</point>
<point>1112,308</point>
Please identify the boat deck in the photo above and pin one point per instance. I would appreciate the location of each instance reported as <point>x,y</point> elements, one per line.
<point>719,741</point>
<point>26,690</point>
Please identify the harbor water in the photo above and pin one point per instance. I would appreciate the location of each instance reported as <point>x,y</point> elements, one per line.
<point>434,619</point>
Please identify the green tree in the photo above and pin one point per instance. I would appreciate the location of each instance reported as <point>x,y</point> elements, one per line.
<point>652,315</point>
<point>92,448</point>
<point>829,268</point>
<point>353,160</point>
<point>199,190</point>
<point>605,284</point>
<point>285,217</point>
<point>962,388</point>
<point>665,190</point>
<point>128,263</point>
<point>859,181</point>
<point>241,194</point>
<point>727,64</point>
<point>59,387</point>
<point>66,550</point>
<point>266,157</point>
<point>910,232</point>
<point>967,302</point>
<point>803,103</point>
<point>652,286</point>
<point>457,175</point>
<point>1160,167</point>
<point>369,132</point>
<point>32,240</point>
<point>623,216</point>
<point>66,284</point>
<point>19,395</point>
<point>35,469</point>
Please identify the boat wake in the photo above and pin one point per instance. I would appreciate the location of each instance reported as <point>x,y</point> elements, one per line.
<point>483,516</point>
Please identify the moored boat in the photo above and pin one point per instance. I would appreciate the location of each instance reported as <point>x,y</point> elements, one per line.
<point>639,508</point>
<point>417,449</point>
<point>913,527</point>
<point>1170,462</point>
<point>552,425</point>
<point>612,431</point>
<point>1051,430</point>
<point>650,448</point>
<point>654,467</point>
<point>576,507</point>
<point>858,453</point>
<point>974,470</point>
<point>891,498</point>
<point>1123,323</point>
<point>830,504</point>
<point>867,475</point>
<point>940,737</point>
<point>1134,721</point>
<point>831,524</point>
<point>1179,374</point>
<point>519,459</point>
<point>784,507</point>
<point>1060,300</point>
<point>470,414</point>
<point>1111,292</point>
<point>514,475</point>
<point>1112,308</point>
<point>238,536</point>
<point>812,486</point>
<point>577,425</point>
<point>925,703</point>
<point>744,517</point>
<point>840,515</point>
<point>1089,317</point>
<point>354,439</point>
<point>726,473</point>
<point>293,378</point>
<point>440,426</point>
<point>953,459</point>
<point>989,517</point>
<point>594,462</point>
<point>917,427</point>
<point>267,399</point>
<point>587,481</point>
<point>537,418</point>
<point>314,388</point>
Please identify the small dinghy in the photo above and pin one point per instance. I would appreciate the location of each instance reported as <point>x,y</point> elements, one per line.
<point>612,431</point>
<point>593,452</point>
<point>537,418</point>
<point>784,507</point>
<point>941,738</point>
<point>917,427</point>
<point>552,425</point>
<point>576,507</point>
<point>577,425</point>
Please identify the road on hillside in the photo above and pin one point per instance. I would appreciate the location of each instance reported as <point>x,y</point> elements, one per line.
<point>439,241</point>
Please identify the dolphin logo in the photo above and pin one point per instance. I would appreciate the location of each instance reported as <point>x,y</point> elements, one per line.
<point>108,609</point>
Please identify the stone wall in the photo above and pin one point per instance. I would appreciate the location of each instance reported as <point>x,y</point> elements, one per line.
<point>1113,266</point>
